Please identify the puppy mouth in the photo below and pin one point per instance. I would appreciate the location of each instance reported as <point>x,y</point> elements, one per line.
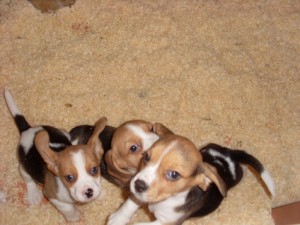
<point>145,198</point>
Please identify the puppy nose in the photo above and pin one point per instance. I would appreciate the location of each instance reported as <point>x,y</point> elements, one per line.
<point>89,193</point>
<point>140,186</point>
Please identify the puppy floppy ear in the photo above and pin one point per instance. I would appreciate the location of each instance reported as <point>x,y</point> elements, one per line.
<point>114,168</point>
<point>161,130</point>
<point>41,141</point>
<point>206,175</point>
<point>94,141</point>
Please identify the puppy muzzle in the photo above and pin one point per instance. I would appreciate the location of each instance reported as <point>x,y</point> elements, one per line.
<point>86,193</point>
<point>140,186</point>
<point>89,193</point>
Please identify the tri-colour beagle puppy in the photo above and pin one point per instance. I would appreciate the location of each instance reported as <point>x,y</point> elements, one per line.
<point>170,169</point>
<point>177,182</point>
<point>69,173</point>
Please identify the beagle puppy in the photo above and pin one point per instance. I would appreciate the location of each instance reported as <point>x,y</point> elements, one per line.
<point>174,190</point>
<point>169,171</point>
<point>69,173</point>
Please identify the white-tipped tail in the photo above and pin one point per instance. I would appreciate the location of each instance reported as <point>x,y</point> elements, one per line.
<point>14,110</point>
<point>269,182</point>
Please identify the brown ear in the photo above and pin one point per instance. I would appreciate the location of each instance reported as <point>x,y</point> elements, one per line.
<point>94,140</point>
<point>161,130</point>
<point>114,168</point>
<point>42,145</point>
<point>208,174</point>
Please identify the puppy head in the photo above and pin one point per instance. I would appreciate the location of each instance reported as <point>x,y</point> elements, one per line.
<point>129,142</point>
<point>172,165</point>
<point>77,165</point>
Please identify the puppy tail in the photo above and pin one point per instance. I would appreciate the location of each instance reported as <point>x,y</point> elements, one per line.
<point>245,158</point>
<point>19,119</point>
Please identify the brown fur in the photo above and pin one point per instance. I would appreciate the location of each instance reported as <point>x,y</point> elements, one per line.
<point>122,164</point>
<point>184,158</point>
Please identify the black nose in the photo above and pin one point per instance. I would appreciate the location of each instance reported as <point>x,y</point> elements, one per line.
<point>89,193</point>
<point>140,186</point>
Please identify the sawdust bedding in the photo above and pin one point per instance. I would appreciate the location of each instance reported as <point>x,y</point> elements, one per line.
<point>223,72</point>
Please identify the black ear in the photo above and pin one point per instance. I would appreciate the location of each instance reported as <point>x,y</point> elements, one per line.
<point>161,130</point>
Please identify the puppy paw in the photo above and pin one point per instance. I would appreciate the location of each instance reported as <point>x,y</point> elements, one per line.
<point>34,196</point>
<point>118,218</point>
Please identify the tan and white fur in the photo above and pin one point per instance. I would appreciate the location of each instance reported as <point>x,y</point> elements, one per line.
<point>130,140</point>
<point>69,173</point>
<point>165,181</point>
<point>170,168</point>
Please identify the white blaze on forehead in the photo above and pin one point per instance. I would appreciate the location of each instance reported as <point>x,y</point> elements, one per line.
<point>84,180</point>
<point>79,163</point>
<point>148,174</point>
<point>149,138</point>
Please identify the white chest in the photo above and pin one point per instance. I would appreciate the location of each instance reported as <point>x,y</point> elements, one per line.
<point>165,212</point>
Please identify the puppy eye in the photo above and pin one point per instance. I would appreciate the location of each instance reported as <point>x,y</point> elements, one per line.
<point>70,178</point>
<point>172,175</point>
<point>146,157</point>
<point>94,171</point>
<point>134,148</point>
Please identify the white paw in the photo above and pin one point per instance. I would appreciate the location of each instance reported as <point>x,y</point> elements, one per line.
<point>34,196</point>
<point>73,216</point>
<point>118,218</point>
<point>2,197</point>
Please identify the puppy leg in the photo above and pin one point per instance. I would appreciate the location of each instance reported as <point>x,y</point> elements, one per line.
<point>34,194</point>
<point>69,211</point>
<point>123,215</point>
